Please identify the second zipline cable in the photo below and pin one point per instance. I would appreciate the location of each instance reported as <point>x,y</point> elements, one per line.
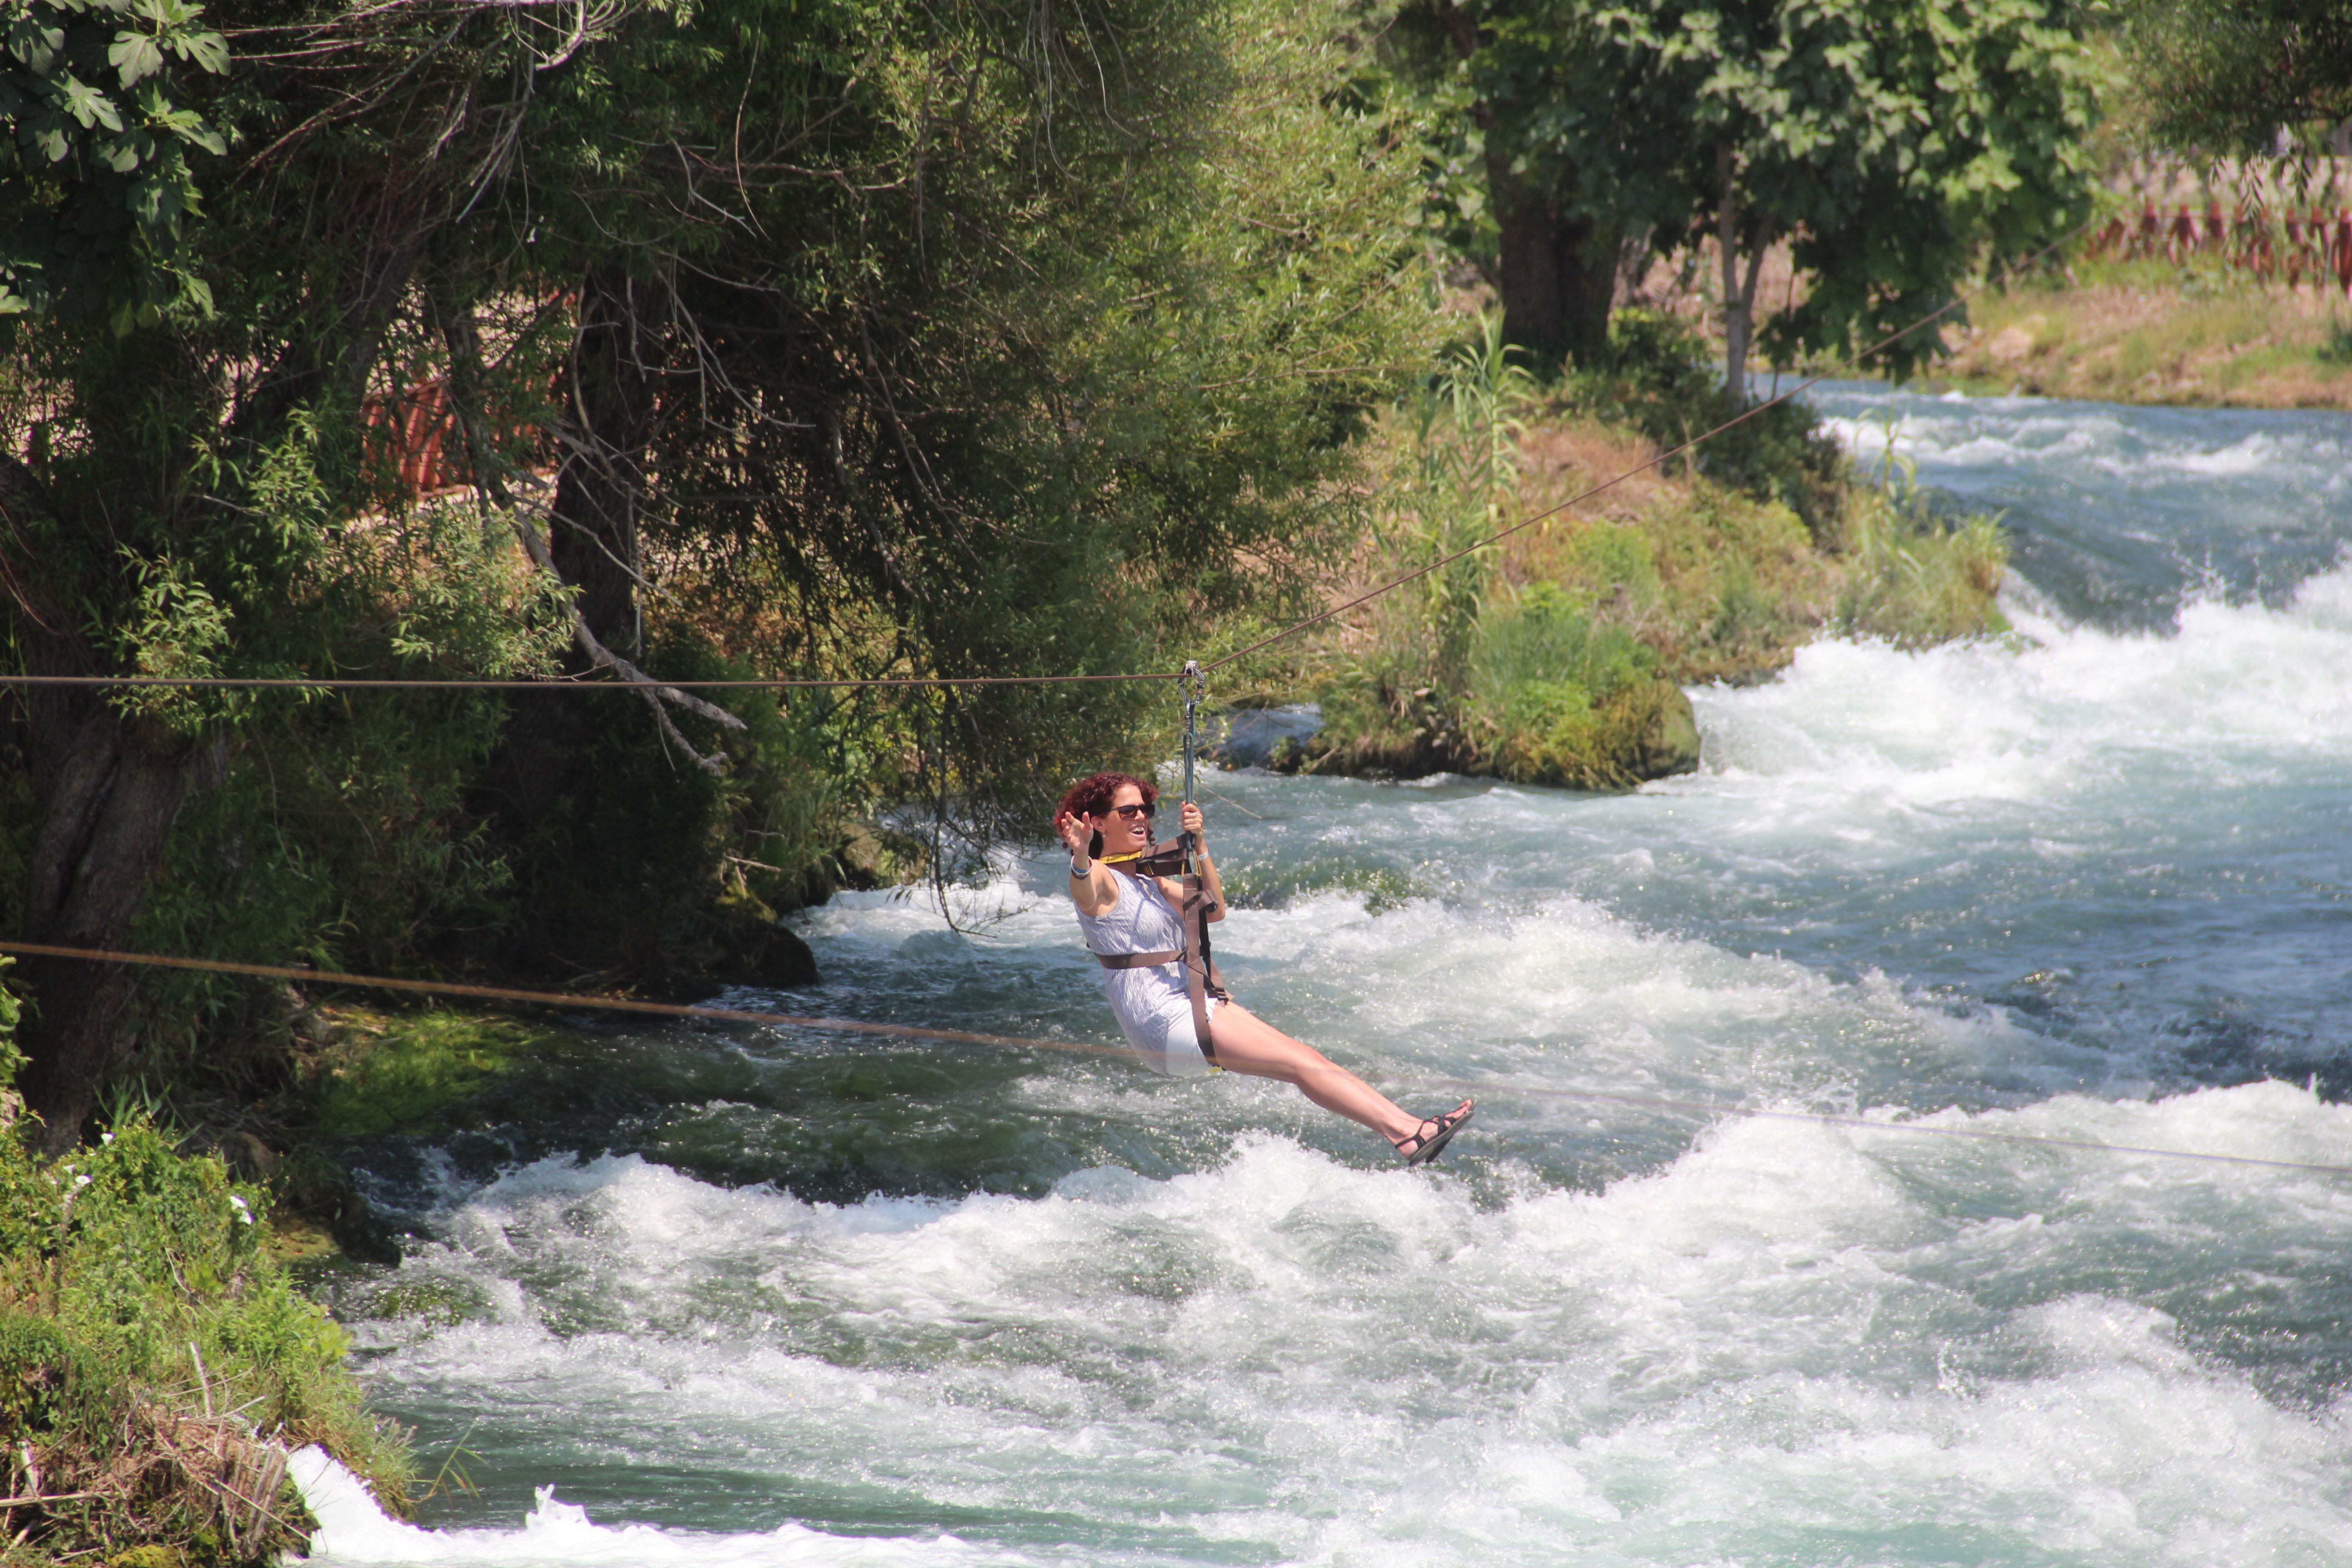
<point>1076,1048</point>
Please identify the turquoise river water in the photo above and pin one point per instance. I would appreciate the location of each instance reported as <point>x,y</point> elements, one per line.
<point>744,1297</point>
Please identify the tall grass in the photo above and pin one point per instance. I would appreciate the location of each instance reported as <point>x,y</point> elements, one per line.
<point>1451,479</point>
<point>1549,690</point>
<point>1913,579</point>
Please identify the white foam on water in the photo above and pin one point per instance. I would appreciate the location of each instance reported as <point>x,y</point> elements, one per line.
<point>2239,687</point>
<point>2008,442</point>
<point>1794,1339</point>
<point>353,1529</point>
<point>2021,434</point>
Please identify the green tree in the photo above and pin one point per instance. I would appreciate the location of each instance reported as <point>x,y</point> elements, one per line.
<point>866,338</point>
<point>1555,156</point>
<point>982,349</point>
<point>2228,75</point>
<point>183,435</point>
<point>1891,143</point>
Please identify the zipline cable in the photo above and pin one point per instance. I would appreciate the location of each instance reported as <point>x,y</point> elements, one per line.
<point>547,998</point>
<point>573,683</point>
<point>1074,1047</point>
<point>551,683</point>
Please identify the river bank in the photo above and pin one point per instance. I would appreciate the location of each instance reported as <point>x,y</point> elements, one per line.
<point>2160,334</point>
<point>2200,331</point>
<point>158,1362</point>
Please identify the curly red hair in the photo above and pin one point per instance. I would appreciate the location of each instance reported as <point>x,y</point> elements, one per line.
<point>1091,796</point>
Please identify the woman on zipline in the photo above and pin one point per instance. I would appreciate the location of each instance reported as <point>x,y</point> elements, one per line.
<point>1105,822</point>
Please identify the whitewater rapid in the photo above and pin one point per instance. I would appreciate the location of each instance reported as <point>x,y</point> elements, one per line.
<point>736,1296</point>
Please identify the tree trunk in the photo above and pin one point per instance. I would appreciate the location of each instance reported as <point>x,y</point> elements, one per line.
<point>609,410</point>
<point>1734,302</point>
<point>105,790</point>
<point>609,405</point>
<point>1738,286</point>
<point>1557,274</point>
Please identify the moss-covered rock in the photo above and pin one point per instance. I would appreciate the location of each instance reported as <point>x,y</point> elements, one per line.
<point>406,1072</point>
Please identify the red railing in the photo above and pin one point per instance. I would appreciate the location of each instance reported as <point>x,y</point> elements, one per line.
<point>413,434</point>
<point>2288,245</point>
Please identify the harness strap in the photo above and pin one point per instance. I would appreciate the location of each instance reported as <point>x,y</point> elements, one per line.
<point>1201,978</point>
<point>1138,959</point>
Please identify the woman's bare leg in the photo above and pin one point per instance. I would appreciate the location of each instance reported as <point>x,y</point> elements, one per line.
<point>1248,1044</point>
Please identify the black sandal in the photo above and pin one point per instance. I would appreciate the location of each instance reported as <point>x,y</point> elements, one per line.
<point>1421,1148</point>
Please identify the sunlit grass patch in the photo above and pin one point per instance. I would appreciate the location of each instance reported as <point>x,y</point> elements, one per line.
<point>2152,332</point>
<point>398,1072</point>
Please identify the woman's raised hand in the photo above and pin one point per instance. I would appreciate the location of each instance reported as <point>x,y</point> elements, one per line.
<point>1192,820</point>
<point>1074,831</point>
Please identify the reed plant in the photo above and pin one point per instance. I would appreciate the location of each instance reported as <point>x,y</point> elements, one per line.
<point>1451,478</point>
<point>1913,579</point>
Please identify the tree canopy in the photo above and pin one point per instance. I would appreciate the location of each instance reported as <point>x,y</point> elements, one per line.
<point>2228,76</point>
<point>827,337</point>
<point>1890,143</point>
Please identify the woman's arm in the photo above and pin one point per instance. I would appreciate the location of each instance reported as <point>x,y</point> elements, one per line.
<point>1094,890</point>
<point>1209,883</point>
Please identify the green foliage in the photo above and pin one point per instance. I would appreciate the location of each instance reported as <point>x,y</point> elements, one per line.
<point>95,172</point>
<point>11,1058</point>
<point>1554,693</point>
<point>1086,347</point>
<point>341,835</point>
<point>626,870</point>
<point>150,1350</point>
<point>1747,583</point>
<point>1542,640</point>
<point>1656,379</point>
<point>1606,561</point>
<point>2223,76</point>
<point>1890,142</point>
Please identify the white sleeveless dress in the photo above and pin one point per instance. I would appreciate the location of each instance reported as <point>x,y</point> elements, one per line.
<point>1154,1010</point>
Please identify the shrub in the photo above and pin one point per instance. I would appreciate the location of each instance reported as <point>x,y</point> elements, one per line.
<point>1660,379</point>
<point>1913,579</point>
<point>155,1363</point>
<point>1558,697</point>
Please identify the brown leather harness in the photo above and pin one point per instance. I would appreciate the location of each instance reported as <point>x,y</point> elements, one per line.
<point>1202,979</point>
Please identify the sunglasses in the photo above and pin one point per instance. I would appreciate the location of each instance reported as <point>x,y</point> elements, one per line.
<point>1143,808</point>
